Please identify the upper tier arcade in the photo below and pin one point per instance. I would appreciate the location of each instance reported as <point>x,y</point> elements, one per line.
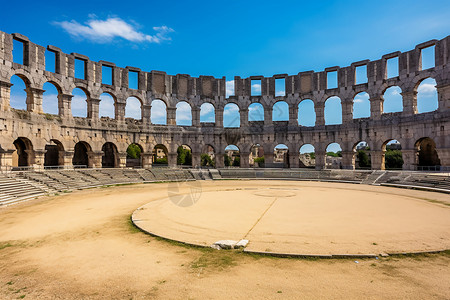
<point>37,130</point>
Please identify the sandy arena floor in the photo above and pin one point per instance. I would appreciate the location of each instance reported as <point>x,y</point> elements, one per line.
<point>82,245</point>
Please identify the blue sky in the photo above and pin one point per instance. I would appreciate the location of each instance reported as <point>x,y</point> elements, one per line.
<point>231,38</point>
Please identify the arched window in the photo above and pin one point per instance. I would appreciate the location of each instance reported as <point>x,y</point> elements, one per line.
<point>231,116</point>
<point>393,159</point>
<point>184,155</point>
<point>307,156</point>
<point>50,99</point>
<point>306,113</point>
<point>256,112</point>
<point>427,97</point>
<point>106,106</point>
<point>159,112</point>
<point>18,95</point>
<point>207,113</point>
<point>333,111</point>
<point>281,156</point>
<point>334,156</point>
<point>280,111</point>
<point>232,157</point>
<point>184,114</point>
<point>79,103</point>
<point>361,153</point>
<point>393,100</point>
<point>361,106</point>
<point>133,108</point>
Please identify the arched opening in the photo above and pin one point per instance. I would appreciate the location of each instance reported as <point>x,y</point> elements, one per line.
<point>18,93</point>
<point>50,98</point>
<point>280,111</point>
<point>281,156</point>
<point>256,158</point>
<point>110,158</point>
<point>427,97</point>
<point>231,116</point>
<point>361,156</point>
<point>232,157</point>
<point>79,103</point>
<point>106,106</point>
<point>306,113</point>
<point>24,154</point>
<point>255,112</point>
<point>134,159</point>
<point>392,157</point>
<point>361,106</point>
<point>184,155</point>
<point>133,108</point>
<point>184,114</point>
<point>208,157</point>
<point>80,155</point>
<point>307,156</point>
<point>207,113</point>
<point>54,155</point>
<point>334,156</point>
<point>160,155</point>
<point>393,100</point>
<point>333,111</point>
<point>158,112</point>
<point>427,156</point>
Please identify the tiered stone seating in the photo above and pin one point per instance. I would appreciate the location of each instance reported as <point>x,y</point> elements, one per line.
<point>13,190</point>
<point>133,175</point>
<point>41,177</point>
<point>146,174</point>
<point>97,174</point>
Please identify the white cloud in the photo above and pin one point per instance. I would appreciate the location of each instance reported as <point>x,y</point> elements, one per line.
<point>102,31</point>
<point>206,108</point>
<point>133,109</point>
<point>280,93</point>
<point>256,88</point>
<point>230,109</point>
<point>106,106</point>
<point>427,88</point>
<point>50,103</point>
<point>184,114</point>
<point>229,88</point>
<point>79,106</point>
<point>158,112</point>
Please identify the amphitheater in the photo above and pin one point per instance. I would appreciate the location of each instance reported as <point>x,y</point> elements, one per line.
<point>280,209</point>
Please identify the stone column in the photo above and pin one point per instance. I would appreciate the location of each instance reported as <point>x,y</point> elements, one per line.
<point>409,159</point>
<point>348,160</point>
<point>294,160</point>
<point>347,111</point>
<point>409,102</point>
<point>245,162</point>
<point>219,160</point>
<point>146,114</point>
<point>172,159</point>
<point>93,109</point>
<point>376,107</point>
<point>196,159</point>
<point>268,159</point>
<point>5,90</point>
<point>293,115</point>
<point>320,114</point>
<point>219,117</point>
<point>171,116</point>
<point>243,118</point>
<point>34,99</point>
<point>122,159</point>
<point>68,157</point>
<point>196,116</point>
<point>95,159</point>
<point>444,156</point>
<point>39,158</point>
<point>377,159</point>
<point>320,160</point>
<point>443,97</point>
<point>64,105</point>
<point>119,108</point>
<point>147,160</point>
<point>268,116</point>
<point>6,160</point>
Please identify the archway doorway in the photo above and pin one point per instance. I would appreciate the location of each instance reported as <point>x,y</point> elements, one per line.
<point>134,158</point>
<point>24,155</point>
<point>110,158</point>
<point>80,155</point>
<point>54,155</point>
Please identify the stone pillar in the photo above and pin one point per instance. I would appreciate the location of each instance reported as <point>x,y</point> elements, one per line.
<point>95,159</point>
<point>377,159</point>
<point>93,109</point>
<point>444,156</point>
<point>34,99</point>
<point>39,158</point>
<point>219,117</point>
<point>443,97</point>
<point>219,160</point>
<point>122,158</point>
<point>172,159</point>
<point>410,158</point>
<point>243,118</point>
<point>268,116</point>
<point>196,116</point>
<point>146,114</point>
<point>245,159</point>
<point>376,107</point>
<point>5,90</point>
<point>293,115</point>
<point>268,159</point>
<point>6,160</point>
<point>409,102</point>
<point>347,111</point>
<point>68,157</point>
<point>320,160</point>
<point>147,160</point>
<point>294,160</point>
<point>320,114</point>
<point>119,108</point>
<point>64,105</point>
<point>196,159</point>
<point>172,117</point>
<point>348,160</point>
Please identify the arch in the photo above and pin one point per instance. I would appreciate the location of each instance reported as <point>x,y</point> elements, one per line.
<point>79,102</point>
<point>183,114</point>
<point>306,113</point>
<point>18,97</point>
<point>427,156</point>
<point>333,111</point>
<point>255,112</point>
<point>158,112</point>
<point>280,111</point>
<point>54,154</point>
<point>207,113</point>
<point>50,98</point>
<point>208,156</point>
<point>427,96</point>
<point>361,105</point>
<point>184,155</point>
<point>24,154</point>
<point>334,156</point>
<point>133,108</point>
<point>393,100</point>
<point>307,156</point>
<point>80,155</point>
<point>160,155</point>
<point>106,107</point>
<point>110,158</point>
<point>231,116</point>
<point>392,155</point>
<point>361,156</point>
<point>232,156</point>
<point>281,156</point>
<point>256,157</point>
<point>134,158</point>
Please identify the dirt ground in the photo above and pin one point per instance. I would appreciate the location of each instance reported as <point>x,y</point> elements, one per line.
<point>82,245</point>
